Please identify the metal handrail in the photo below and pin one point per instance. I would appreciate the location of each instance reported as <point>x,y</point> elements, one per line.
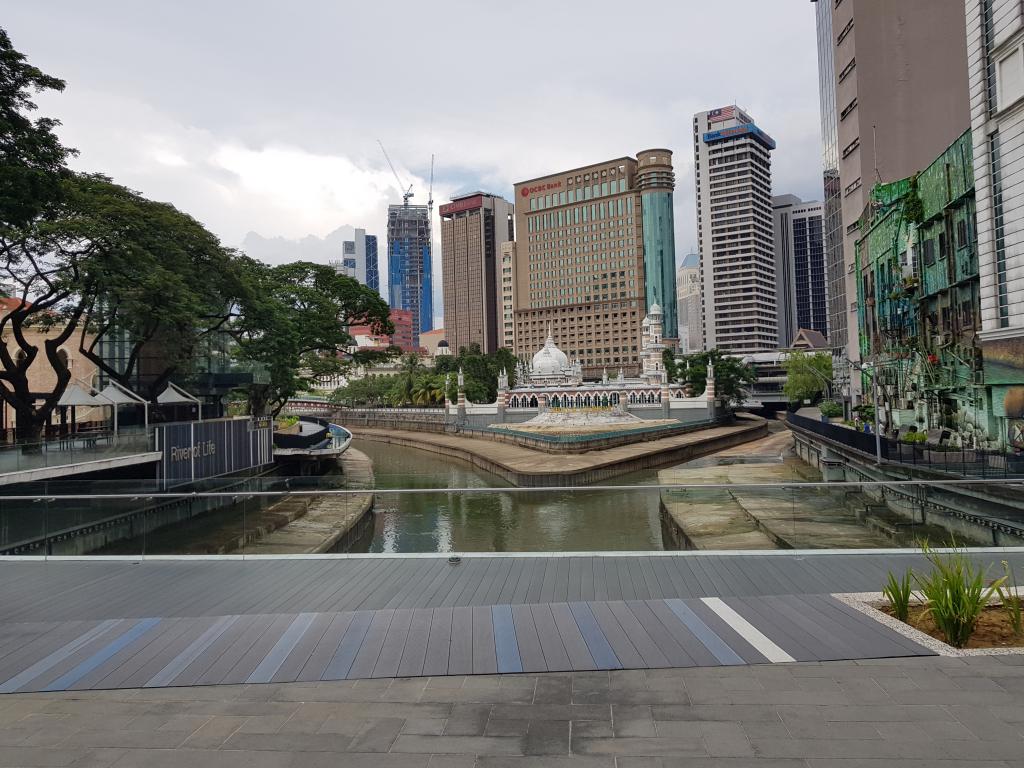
<point>839,485</point>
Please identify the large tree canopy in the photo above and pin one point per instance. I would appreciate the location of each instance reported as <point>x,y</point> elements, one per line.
<point>732,375</point>
<point>31,156</point>
<point>294,325</point>
<point>807,375</point>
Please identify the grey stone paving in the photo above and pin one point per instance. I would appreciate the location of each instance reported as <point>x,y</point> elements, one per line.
<point>907,712</point>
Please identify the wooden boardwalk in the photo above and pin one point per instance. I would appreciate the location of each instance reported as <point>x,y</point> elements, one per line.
<point>94,590</point>
<point>79,624</point>
<point>407,642</point>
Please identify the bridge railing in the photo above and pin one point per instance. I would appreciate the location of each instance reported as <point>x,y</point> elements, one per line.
<point>969,462</point>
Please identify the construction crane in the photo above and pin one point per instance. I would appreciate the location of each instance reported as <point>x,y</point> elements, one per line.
<point>408,192</point>
<point>430,193</point>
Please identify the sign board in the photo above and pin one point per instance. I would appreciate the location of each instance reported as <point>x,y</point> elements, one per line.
<point>740,130</point>
<point>196,450</point>
<point>465,204</point>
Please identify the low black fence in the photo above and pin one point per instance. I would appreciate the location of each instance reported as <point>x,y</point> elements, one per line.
<point>861,441</point>
<point>974,462</point>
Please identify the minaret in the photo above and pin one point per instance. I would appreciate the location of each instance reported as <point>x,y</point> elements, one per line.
<point>462,398</point>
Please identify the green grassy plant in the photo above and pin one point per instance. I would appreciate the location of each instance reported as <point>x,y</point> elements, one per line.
<point>898,592</point>
<point>1011,601</point>
<point>956,593</point>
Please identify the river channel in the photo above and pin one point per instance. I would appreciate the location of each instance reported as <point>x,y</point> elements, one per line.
<point>507,519</point>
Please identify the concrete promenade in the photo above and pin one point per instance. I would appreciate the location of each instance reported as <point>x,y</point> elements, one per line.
<point>528,467</point>
<point>909,713</point>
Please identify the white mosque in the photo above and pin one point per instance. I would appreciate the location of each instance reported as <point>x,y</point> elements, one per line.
<point>552,381</point>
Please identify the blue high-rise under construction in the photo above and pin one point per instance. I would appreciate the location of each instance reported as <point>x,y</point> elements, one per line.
<point>409,265</point>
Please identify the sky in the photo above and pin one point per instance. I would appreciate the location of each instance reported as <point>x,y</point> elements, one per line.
<point>261,119</point>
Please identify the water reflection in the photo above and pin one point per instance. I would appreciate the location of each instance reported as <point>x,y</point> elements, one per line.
<point>583,520</point>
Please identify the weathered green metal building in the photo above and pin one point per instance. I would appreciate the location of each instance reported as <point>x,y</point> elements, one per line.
<point>918,302</point>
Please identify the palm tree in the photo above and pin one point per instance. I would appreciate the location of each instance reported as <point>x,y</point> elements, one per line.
<point>429,390</point>
<point>405,383</point>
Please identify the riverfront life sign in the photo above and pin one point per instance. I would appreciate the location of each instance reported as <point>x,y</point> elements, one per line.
<point>195,450</point>
<point>204,448</point>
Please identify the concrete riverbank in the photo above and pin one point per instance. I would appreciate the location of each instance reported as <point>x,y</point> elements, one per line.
<point>524,466</point>
<point>766,517</point>
<point>331,523</point>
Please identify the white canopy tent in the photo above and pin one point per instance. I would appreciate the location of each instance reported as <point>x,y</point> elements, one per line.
<point>118,395</point>
<point>175,395</point>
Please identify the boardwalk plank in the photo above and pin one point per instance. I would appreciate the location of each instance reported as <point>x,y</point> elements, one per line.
<point>369,650</point>
<point>313,668</point>
<point>435,660</point>
<point>415,650</point>
<point>530,650</point>
<point>390,656</point>
<point>460,655</point>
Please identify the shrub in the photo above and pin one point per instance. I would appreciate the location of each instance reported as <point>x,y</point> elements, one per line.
<point>830,408</point>
<point>898,592</point>
<point>955,593</point>
<point>1010,599</point>
<point>914,437</point>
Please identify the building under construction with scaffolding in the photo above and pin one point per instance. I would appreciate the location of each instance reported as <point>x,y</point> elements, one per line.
<point>409,265</point>
<point>919,308</point>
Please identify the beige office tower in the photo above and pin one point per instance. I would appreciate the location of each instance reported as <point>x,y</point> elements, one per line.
<point>892,77</point>
<point>595,250</point>
<point>691,323</point>
<point>733,176</point>
<point>507,322</point>
<point>473,227</point>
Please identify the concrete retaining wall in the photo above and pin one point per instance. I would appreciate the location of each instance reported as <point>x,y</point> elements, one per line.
<point>645,458</point>
<point>978,514</point>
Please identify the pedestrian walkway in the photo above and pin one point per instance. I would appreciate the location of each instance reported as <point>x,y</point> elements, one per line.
<point>481,640</point>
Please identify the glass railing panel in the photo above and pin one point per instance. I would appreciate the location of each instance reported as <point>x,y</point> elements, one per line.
<point>437,513</point>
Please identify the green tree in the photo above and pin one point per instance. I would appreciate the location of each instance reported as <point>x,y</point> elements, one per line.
<point>480,371</point>
<point>294,325</point>
<point>165,285</point>
<point>409,371</point>
<point>732,375</point>
<point>32,159</point>
<point>429,390</point>
<point>372,390</point>
<point>807,375</point>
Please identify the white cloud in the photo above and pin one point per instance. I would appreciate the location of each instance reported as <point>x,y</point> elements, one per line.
<point>253,119</point>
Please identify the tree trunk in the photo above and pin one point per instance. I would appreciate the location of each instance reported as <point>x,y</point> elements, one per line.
<point>29,429</point>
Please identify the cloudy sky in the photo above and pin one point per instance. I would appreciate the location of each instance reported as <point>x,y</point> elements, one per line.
<point>263,117</point>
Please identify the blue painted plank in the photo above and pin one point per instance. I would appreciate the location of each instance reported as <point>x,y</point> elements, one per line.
<point>73,676</point>
<point>341,663</point>
<point>505,644</point>
<point>41,666</point>
<point>598,645</point>
<point>177,665</point>
<point>718,647</point>
<point>275,658</point>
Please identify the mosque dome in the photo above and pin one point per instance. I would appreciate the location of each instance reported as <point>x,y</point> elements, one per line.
<point>550,359</point>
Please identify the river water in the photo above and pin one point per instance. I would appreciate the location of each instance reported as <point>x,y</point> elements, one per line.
<point>519,520</point>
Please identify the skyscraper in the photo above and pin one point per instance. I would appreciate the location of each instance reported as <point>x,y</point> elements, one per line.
<point>507,324</point>
<point>995,30</point>
<point>409,265</point>
<point>691,338</point>
<point>734,231</point>
<point>359,259</point>
<point>893,83</point>
<point>595,249</point>
<point>473,227</point>
<point>799,267</point>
